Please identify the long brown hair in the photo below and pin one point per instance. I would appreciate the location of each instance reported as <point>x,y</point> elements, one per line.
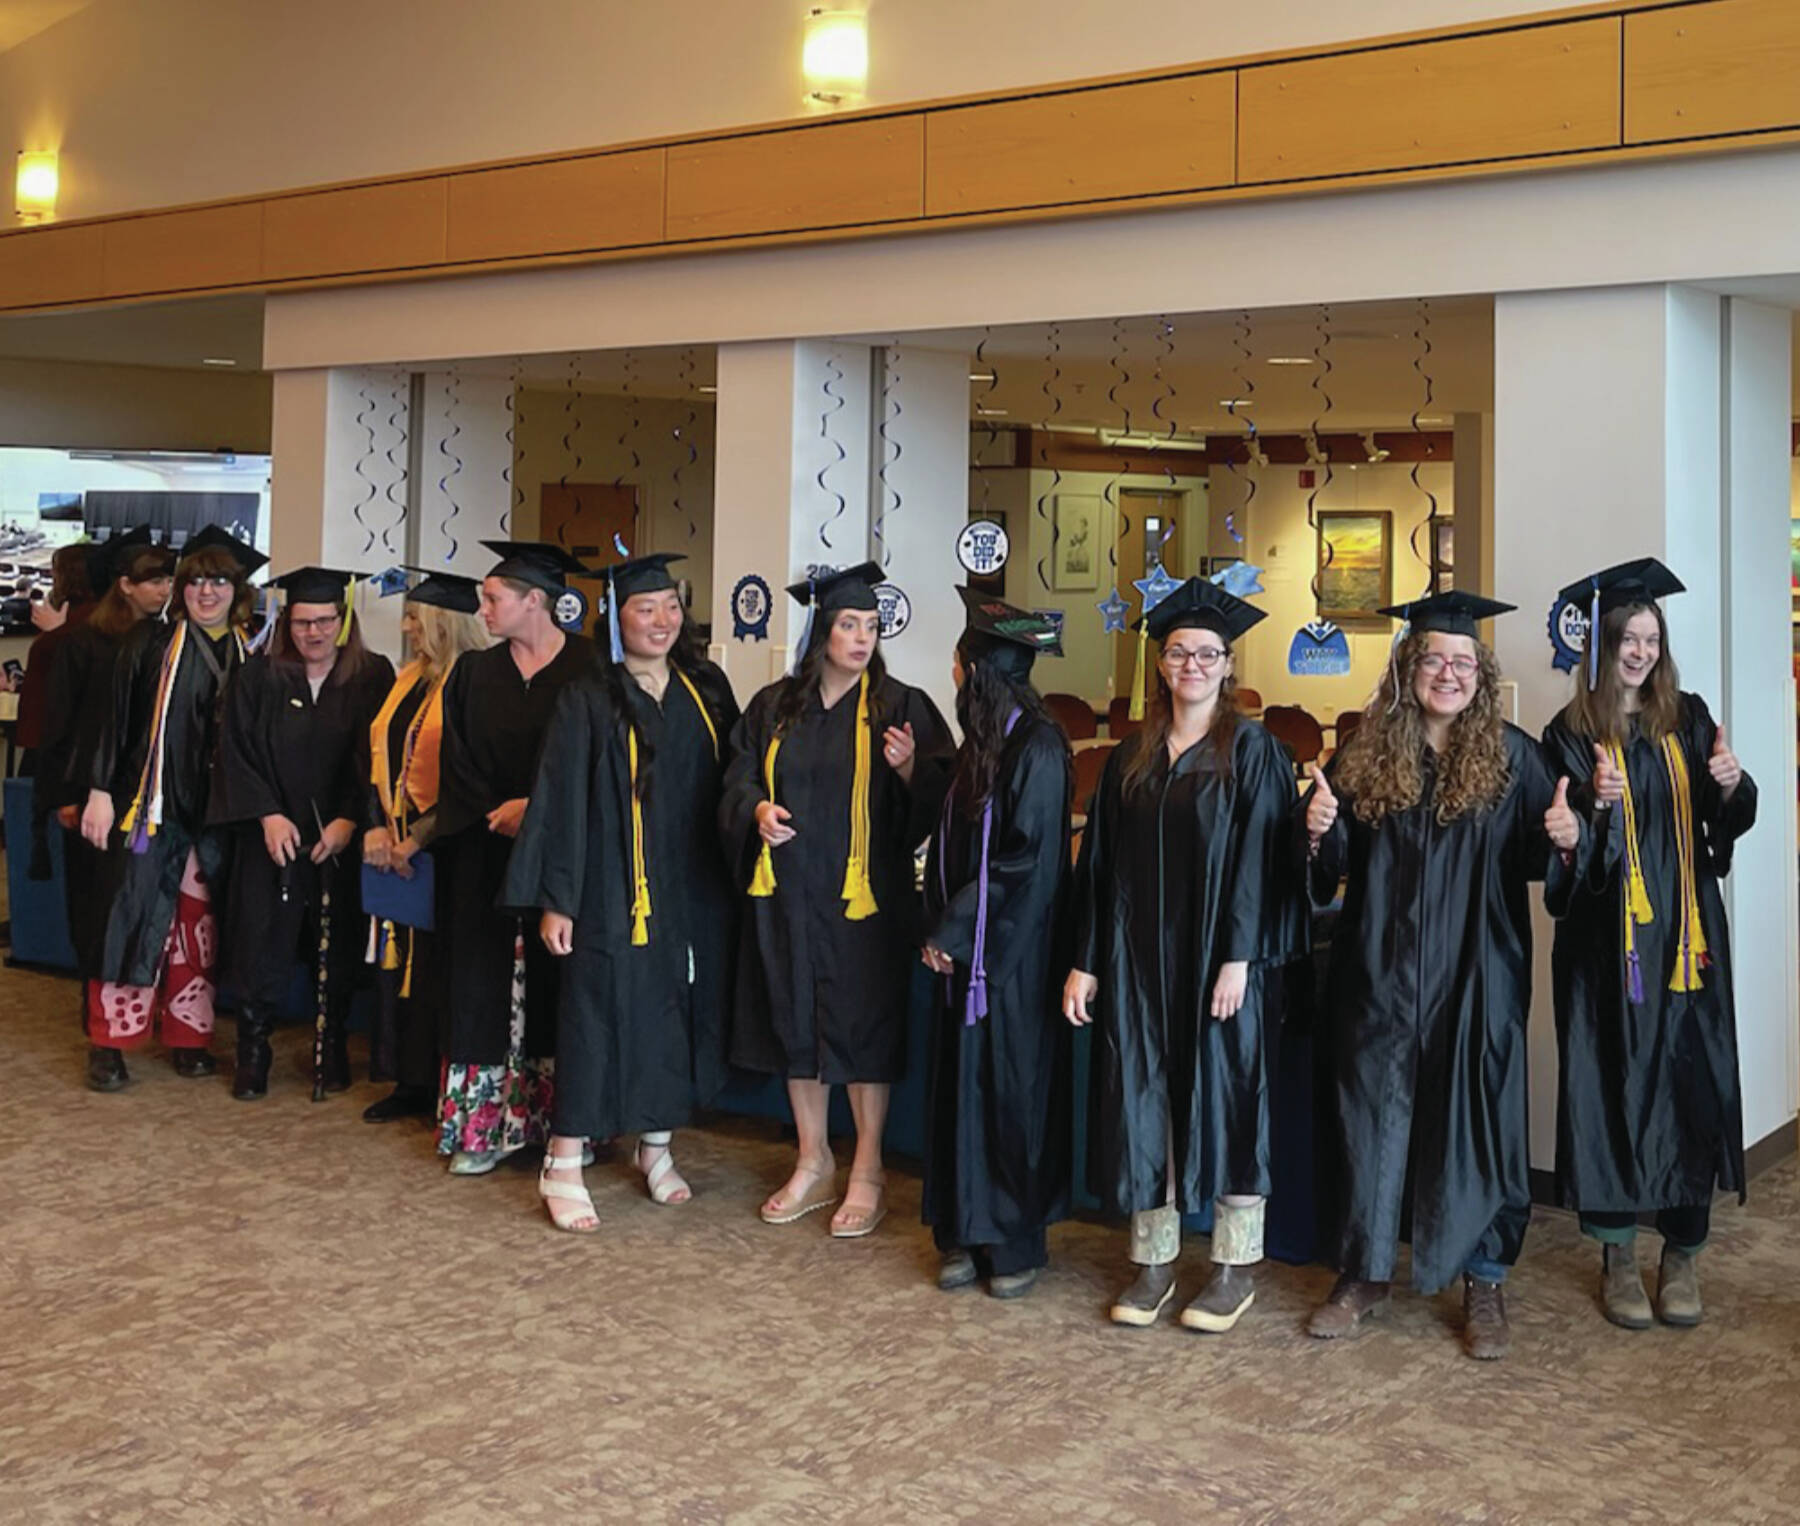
<point>350,656</point>
<point>116,614</point>
<point>1382,760</point>
<point>800,687</point>
<point>213,562</point>
<point>1159,719</point>
<point>1600,712</point>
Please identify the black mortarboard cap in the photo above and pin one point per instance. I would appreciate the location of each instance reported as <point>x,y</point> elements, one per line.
<point>1200,605</point>
<point>314,585</point>
<point>217,537</point>
<point>536,562</point>
<point>1003,634</point>
<point>642,574</point>
<point>112,558</point>
<point>853,588</point>
<point>1641,582</point>
<point>1453,613</point>
<point>446,590</point>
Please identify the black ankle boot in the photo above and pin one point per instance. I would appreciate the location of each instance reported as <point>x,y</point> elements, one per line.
<point>251,1079</point>
<point>402,1102</point>
<point>106,1069</point>
<point>192,1064</point>
<point>336,1071</point>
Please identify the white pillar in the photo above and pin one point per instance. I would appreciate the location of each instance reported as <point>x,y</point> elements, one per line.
<point>1641,421</point>
<point>1473,497</point>
<point>783,498</point>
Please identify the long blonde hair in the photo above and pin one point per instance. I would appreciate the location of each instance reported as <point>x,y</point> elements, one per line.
<point>444,635</point>
<point>1599,713</point>
<point>1381,767</point>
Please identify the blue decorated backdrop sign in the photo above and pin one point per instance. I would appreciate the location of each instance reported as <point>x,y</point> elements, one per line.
<point>570,609</point>
<point>750,606</point>
<point>894,608</point>
<point>1568,634</point>
<point>982,548</point>
<point>1113,610</point>
<point>1319,650</point>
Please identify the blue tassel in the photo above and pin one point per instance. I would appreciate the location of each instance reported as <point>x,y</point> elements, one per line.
<point>617,646</point>
<point>1634,978</point>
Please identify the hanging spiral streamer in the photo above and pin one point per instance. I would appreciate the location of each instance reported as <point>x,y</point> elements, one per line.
<point>571,432</point>
<point>835,404</point>
<point>399,475</point>
<point>515,492</point>
<point>1422,337</point>
<point>1121,379</point>
<point>984,409</point>
<point>628,437</point>
<point>890,396</point>
<point>684,435</point>
<point>364,414</point>
<point>1165,396</point>
<point>1242,397</point>
<point>1322,354</point>
<point>447,449</point>
<point>1052,377</point>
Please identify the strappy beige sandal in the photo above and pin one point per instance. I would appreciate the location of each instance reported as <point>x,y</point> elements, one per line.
<point>665,1184</point>
<point>569,1202</point>
<point>821,1194</point>
<point>853,1223</point>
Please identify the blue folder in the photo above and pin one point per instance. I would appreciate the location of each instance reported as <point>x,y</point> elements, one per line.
<point>409,903</point>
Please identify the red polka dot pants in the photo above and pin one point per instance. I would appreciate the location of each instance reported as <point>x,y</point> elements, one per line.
<point>121,1017</point>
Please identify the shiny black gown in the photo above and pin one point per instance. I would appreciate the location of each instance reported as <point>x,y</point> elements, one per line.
<point>640,1040</point>
<point>143,907</point>
<point>1426,1003</point>
<point>283,752</point>
<point>1649,1112</point>
<point>494,724</point>
<point>817,994</point>
<point>998,1134</point>
<point>1190,871</point>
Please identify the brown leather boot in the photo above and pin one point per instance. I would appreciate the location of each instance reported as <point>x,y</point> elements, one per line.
<point>1350,1303</point>
<point>1622,1296</point>
<point>1678,1287</point>
<point>1486,1335</point>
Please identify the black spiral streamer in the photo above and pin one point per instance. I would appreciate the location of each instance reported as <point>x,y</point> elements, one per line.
<point>835,403</point>
<point>571,432</point>
<point>984,409</point>
<point>890,400</point>
<point>1422,338</point>
<point>1052,379</point>
<point>1121,379</point>
<point>684,435</point>
<point>515,492</point>
<point>364,413</point>
<point>1321,377</point>
<point>628,437</point>
<point>447,449</point>
<point>1243,396</point>
<point>1165,397</point>
<point>398,397</point>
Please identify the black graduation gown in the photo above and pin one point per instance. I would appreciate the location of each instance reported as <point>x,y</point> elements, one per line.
<point>143,907</point>
<point>282,752</point>
<point>998,1118</point>
<point>1649,1113</point>
<point>640,1037</point>
<point>77,702</point>
<point>1428,995</point>
<point>1191,871</point>
<point>817,994</point>
<point>494,724</point>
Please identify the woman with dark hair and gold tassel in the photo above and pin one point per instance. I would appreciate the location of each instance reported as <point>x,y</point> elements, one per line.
<point>1649,1117</point>
<point>833,782</point>
<point>620,853</point>
<point>293,786</point>
<point>1439,815</point>
<point>1187,908</point>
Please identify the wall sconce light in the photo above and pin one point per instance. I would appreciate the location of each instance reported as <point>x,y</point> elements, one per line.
<point>1376,453</point>
<point>834,57</point>
<point>34,187</point>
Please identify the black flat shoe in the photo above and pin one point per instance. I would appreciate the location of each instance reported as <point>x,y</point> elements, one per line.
<point>402,1102</point>
<point>194,1063</point>
<point>957,1270</point>
<point>106,1070</point>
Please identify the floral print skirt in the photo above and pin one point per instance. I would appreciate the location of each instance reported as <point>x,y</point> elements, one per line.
<point>498,1108</point>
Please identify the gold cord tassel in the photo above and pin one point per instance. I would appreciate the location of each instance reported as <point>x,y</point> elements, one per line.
<point>640,877</point>
<point>762,882</point>
<point>1691,954</point>
<point>1137,678</point>
<point>859,894</point>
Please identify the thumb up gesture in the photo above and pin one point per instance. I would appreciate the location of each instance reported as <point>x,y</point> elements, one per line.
<point>1560,825</point>
<point>1724,766</point>
<point>1322,809</point>
<point>1609,783</point>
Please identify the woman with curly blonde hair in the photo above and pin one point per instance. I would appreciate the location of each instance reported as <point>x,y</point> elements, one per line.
<point>1438,814</point>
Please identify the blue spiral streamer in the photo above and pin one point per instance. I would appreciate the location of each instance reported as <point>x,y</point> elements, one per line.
<point>571,432</point>
<point>835,404</point>
<point>1322,354</point>
<point>1165,395</point>
<point>983,408</point>
<point>515,491</point>
<point>1422,338</point>
<point>1242,397</point>
<point>684,435</point>
<point>628,437</point>
<point>398,479</point>
<point>447,449</point>
<point>1121,378</point>
<point>1052,378</point>
<point>890,398</point>
<point>364,413</point>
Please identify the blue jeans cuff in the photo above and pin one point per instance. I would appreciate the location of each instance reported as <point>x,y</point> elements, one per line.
<point>1483,1270</point>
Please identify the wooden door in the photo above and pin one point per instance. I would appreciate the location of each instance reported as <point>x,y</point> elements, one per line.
<point>583,518</point>
<point>1144,515</point>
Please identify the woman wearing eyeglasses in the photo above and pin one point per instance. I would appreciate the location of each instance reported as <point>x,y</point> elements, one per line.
<point>1186,909</point>
<point>1438,814</point>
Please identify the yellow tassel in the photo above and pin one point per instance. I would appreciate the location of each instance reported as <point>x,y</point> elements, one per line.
<point>762,881</point>
<point>390,951</point>
<point>640,897</point>
<point>1137,679</point>
<point>343,635</point>
<point>859,894</point>
<point>1691,953</point>
<point>406,979</point>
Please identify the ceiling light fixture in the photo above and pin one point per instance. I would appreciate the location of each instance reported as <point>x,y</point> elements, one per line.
<point>981,376</point>
<point>35,185</point>
<point>706,389</point>
<point>1236,402</point>
<point>990,413</point>
<point>834,57</point>
<point>1289,360</point>
<point>216,360</point>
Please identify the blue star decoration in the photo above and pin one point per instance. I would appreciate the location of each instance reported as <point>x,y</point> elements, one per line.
<point>1113,611</point>
<point>1155,588</point>
<point>1240,579</point>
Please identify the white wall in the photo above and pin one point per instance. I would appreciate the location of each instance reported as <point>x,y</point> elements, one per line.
<point>72,406</point>
<point>153,102</point>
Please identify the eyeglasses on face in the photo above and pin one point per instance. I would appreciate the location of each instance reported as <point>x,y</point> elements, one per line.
<point>1434,663</point>
<point>1179,657</point>
<point>207,580</point>
<point>320,623</point>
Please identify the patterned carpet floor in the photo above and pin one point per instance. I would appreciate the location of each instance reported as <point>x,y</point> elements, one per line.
<point>227,1313</point>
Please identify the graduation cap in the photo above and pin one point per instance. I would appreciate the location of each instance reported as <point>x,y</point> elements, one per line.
<point>828,592</point>
<point>1199,604</point>
<point>537,563</point>
<point>635,575</point>
<point>1005,636</point>
<point>321,585</point>
<point>218,538</point>
<point>446,590</point>
<point>1451,614</point>
<point>1643,581</point>
<point>112,558</point>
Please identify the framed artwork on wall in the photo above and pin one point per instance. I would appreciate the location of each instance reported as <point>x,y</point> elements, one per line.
<point>1443,554</point>
<point>1075,561</point>
<point>1355,560</point>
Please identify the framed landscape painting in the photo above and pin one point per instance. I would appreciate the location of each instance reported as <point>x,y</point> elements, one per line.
<point>1355,564</point>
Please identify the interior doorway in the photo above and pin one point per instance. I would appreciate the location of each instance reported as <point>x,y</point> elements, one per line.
<point>584,518</point>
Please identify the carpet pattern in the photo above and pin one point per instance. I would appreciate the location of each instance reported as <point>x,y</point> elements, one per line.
<point>220,1312</point>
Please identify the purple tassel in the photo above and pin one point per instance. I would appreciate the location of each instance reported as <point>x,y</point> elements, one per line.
<point>140,839</point>
<point>1634,977</point>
